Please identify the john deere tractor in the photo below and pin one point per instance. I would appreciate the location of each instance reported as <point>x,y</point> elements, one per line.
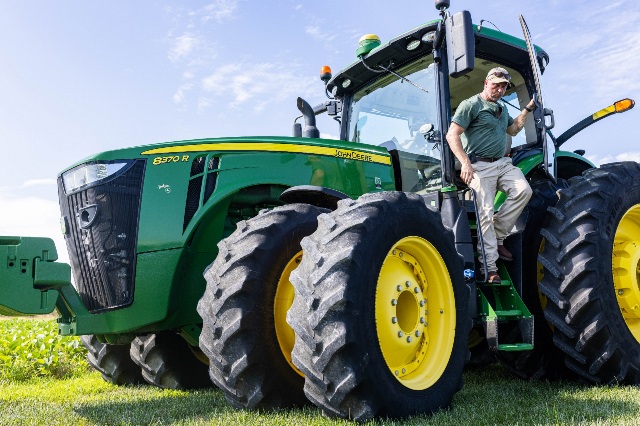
<point>343,272</point>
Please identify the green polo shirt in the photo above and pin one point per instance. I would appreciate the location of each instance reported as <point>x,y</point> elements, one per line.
<point>485,134</point>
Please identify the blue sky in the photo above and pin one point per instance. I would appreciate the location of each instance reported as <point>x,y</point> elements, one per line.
<point>80,77</point>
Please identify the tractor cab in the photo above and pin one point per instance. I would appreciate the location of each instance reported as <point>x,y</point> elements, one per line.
<point>400,95</point>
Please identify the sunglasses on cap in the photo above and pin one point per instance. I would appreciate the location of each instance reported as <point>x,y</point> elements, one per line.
<point>500,74</point>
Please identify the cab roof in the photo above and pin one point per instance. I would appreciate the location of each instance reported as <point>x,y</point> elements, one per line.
<point>491,45</point>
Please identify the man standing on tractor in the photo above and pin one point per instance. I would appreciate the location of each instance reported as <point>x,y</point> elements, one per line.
<point>478,138</point>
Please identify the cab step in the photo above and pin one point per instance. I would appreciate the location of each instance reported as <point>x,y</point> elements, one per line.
<point>513,313</point>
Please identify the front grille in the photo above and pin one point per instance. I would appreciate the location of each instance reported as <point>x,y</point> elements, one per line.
<point>101,236</point>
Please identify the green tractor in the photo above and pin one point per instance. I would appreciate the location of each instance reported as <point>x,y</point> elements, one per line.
<point>343,272</point>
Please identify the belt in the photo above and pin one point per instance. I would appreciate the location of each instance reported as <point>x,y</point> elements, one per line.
<point>488,159</point>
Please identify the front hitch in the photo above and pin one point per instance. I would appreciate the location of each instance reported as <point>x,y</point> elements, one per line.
<point>30,279</point>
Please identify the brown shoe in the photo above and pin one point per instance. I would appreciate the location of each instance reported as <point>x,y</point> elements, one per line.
<point>493,278</point>
<point>504,254</point>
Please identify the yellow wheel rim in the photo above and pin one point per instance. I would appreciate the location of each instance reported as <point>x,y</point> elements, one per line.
<point>626,268</point>
<point>415,313</point>
<point>282,303</point>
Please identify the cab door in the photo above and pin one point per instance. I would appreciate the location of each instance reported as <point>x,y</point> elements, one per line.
<point>540,113</point>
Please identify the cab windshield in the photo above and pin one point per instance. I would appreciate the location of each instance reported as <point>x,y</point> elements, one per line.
<point>394,113</point>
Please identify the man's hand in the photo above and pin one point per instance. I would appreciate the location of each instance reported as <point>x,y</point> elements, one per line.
<point>453,137</point>
<point>531,105</point>
<point>466,173</point>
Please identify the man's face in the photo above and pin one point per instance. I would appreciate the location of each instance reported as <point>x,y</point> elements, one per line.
<point>494,91</point>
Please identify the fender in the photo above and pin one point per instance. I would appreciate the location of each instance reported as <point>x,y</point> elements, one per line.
<point>315,195</point>
<point>569,164</point>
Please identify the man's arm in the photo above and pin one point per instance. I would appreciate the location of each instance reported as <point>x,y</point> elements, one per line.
<point>455,143</point>
<point>518,122</point>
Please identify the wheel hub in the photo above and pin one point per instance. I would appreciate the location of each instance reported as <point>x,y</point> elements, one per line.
<point>415,321</point>
<point>407,315</point>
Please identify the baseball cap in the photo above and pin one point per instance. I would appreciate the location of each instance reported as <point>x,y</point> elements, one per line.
<point>499,75</point>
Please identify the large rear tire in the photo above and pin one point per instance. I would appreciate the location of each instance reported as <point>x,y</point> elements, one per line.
<point>591,265</point>
<point>380,310</point>
<point>245,334</point>
<point>167,361</point>
<point>545,361</point>
<point>112,361</point>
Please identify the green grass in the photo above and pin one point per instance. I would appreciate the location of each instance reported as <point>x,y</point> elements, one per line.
<point>490,396</point>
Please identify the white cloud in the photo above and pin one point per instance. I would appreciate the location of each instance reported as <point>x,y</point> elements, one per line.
<point>625,156</point>
<point>203,103</point>
<point>219,10</point>
<point>262,83</point>
<point>195,48</point>
<point>180,95</point>
<point>611,49</point>
<point>318,34</point>
<point>182,47</point>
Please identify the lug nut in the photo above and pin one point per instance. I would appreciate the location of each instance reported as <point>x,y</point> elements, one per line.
<point>422,320</point>
<point>620,292</point>
<point>394,302</point>
<point>417,333</point>
<point>408,284</point>
<point>394,320</point>
<point>399,288</point>
<point>408,339</point>
<point>416,290</point>
<point>397,373</point>
<point>421,303</point>
<point>404,370</point>
<point>400,334</point>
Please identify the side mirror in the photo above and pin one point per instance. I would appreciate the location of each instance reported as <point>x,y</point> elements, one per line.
<point>461,45</point>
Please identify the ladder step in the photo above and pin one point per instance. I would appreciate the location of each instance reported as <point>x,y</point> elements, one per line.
<point>510,347</point>
<point>509,313</point>
<point>503,283</point>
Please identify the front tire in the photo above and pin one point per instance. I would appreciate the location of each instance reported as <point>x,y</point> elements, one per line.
<point>591,264</point>
<point>245,334</point>
<point>380,310</point>
<point>167,361</point>
<point>112,361</point>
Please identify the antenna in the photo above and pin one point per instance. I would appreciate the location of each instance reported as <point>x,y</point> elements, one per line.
<point>441,5</point>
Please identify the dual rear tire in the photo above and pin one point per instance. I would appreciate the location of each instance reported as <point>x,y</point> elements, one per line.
<point>379,322</point>
<point>591,280</point>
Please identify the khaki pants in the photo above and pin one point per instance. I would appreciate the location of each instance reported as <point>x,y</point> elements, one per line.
<point>488,178</point>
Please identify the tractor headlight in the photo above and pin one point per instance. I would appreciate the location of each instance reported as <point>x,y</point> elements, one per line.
<point>89,174</point>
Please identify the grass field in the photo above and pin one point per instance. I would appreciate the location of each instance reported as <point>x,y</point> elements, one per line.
<point>490,396</point>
